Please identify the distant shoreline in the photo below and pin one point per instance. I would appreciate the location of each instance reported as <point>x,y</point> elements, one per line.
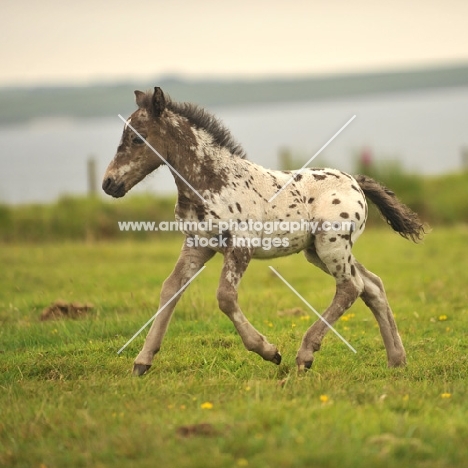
<point>23,104</point>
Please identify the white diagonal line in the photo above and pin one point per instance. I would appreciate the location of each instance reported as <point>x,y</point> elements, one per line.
<point>313,310</point>
<point>312,158</point>
<point>161,309</point>
<point>127,124</point>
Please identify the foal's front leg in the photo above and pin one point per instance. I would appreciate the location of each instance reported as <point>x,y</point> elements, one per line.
<point>191,259</point>
<point>235,264</point>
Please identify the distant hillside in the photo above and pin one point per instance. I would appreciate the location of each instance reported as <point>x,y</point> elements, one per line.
<point>23,104</point>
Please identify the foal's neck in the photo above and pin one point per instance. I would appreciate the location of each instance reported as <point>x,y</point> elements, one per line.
<point>195,157</point>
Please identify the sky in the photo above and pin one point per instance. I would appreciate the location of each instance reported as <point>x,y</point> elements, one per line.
<point>56,42</point>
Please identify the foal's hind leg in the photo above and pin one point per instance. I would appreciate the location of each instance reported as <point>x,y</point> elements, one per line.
<point>235,264</point>
<point>375,298</point>
<point>191,259</point>
<point>331,253</point>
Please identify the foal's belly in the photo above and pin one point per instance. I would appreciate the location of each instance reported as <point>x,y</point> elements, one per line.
<point>282,245</point>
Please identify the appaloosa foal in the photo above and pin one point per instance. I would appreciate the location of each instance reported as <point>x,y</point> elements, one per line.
<point>206,162</point>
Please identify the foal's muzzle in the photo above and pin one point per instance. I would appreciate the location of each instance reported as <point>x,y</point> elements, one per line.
<point>112,188</point>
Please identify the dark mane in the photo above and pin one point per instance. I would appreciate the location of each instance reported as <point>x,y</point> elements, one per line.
<point>202,119</point>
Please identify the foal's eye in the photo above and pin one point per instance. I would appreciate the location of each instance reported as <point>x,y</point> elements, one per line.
<point>137,140</point>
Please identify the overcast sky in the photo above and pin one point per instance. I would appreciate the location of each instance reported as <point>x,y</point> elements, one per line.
<point>55,41</point>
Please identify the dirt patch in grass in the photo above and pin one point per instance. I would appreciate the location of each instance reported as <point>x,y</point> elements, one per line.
<point>60,310</point>
<point>197,430</point>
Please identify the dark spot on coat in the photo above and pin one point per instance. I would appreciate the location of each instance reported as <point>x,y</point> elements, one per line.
<point>200,212</point>
<point>332,239</point>
<point>293,205</point>
<point>230,209</point>
<point>297,177</point>
<point>239,207</point>
<point>310,200</point>
<point>319,176</point>
<point>336,201</point>
<point>353,270</point>
<point>355,188</point>
<point>344,215</point>
<point>357,216</point>
<point>259,194</point>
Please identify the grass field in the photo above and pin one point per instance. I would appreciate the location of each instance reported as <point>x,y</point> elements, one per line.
<point>67,398</point>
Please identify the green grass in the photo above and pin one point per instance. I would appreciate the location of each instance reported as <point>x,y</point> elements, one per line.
<point>82,218</point>
<point>67,398</point>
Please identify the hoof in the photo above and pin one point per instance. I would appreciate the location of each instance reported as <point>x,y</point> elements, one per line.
<point>305,366</point>
<point>397,361</point>
<point>140,369</point>
<point>397,364</point>
<point>276,359</point>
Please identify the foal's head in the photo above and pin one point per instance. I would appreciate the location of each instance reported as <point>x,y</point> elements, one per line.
<point>134,159</point>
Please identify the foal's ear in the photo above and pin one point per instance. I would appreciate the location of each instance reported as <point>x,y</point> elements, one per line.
<point>158,102</point>
<point>140,98</point>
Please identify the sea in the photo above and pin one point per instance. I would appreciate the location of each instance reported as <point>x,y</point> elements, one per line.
<point>426,131</point>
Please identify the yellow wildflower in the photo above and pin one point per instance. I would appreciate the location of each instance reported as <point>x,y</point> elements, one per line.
<point>206,405</point>
<point>324,398</point>
<point>442,318</point>
<point>445,395</point>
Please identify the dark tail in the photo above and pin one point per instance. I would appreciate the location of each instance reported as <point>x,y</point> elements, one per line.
<point>402,219</point>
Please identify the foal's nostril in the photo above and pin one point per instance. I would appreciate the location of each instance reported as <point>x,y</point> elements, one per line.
<point>106,184</point>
